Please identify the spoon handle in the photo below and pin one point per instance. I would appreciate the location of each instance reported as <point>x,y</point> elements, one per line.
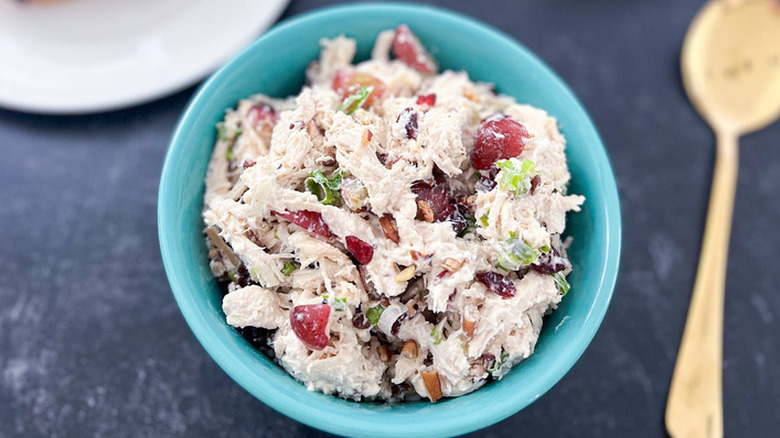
<point>695,404</point>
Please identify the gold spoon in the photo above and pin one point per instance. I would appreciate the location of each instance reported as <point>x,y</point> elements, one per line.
<point>731,71</point>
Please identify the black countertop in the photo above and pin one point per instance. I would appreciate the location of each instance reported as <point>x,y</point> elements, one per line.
<point>92,343</point>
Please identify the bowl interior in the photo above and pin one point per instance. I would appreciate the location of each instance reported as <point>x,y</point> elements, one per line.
<point>275,65</point>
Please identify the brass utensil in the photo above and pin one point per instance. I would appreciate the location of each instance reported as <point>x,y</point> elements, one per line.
<point>731,71</point>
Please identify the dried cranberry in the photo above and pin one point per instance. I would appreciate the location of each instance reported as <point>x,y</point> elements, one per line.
<point>459,217</point>
<point>488,179</point>
<point>411,52</point>
<point>309,322</point>
<point>436,193</point>
<point>382,158</point>
<point>498,138</point>
<point>497,283</point>
<point>397,324</point>
<point>360,321</point>
<point>427,99</point>
<point>361,250</point>
<point>409,117</point>
<point>243,279</point>
<point>549,263</point>
<point>310,221</point>
<point>261,116</point>
<point>259,338</point>
<point>347,82</point>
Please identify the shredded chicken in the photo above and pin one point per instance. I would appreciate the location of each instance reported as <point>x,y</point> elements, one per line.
<point>350,222</point>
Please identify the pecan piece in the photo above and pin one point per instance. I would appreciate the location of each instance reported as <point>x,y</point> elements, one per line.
<point>389,228</point>
<point>366,138</point>
<point>409,349</point>
<point>468,326</point>
<point>451,265</point>
<point>406,274</point>
<point>432,384</point>
<point>425,211</point>
<point>384,353</point>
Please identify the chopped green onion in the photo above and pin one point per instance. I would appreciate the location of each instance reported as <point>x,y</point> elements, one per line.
<point>339,304</point>
<point>233,275</point>
<point>326,190</point>
<point>516,180</point>
<point>498,363</point>
<point>509,262</point>
<point>527,253</point>
<point>374,313</point>
<point>436,335</point>
<point>229,153</point>
<point>561,283</point>
<point>288,268</point>
<point>545,249</point>
<point>477,175</point>
<point>484,220</point>
<point>518,254</point>
<point>355,101</point>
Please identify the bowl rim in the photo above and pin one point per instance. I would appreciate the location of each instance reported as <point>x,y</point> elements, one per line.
<point>355,425</point>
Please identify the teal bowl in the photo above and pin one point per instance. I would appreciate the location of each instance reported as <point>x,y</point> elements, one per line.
<point>275,65</point>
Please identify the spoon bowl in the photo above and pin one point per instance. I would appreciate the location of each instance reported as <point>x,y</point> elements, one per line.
<point>731,64</point>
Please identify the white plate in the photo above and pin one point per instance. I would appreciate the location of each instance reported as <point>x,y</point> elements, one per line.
<point>78,56</point>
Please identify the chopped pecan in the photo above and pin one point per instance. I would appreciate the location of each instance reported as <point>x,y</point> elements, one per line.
<point>416,255</point>
<point>425,211</point>
<point>389,228</point>
<point>366,138</point>
<point>409,349</point>
<point>384,353</point>
<point>451,265</point>
<point>432,384</point>
<point>468,326</point>
<point>406,274</point>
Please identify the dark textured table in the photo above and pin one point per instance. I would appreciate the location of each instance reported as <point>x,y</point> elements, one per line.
<point>92,343</point>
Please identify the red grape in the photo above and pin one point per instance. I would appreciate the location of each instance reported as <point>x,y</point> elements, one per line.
<point>407,48</point>
<point>309,322</point>
<point>436,193</point>
<point>498,138</point>
<point>261,116</point>
<point>347,82</point>
<point>310,221</point>
<point>362,251</point>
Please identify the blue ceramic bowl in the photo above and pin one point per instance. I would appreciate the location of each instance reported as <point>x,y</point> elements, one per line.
<point>275,65</point>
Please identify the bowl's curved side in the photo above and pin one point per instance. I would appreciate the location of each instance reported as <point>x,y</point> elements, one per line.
<point>458,42</point>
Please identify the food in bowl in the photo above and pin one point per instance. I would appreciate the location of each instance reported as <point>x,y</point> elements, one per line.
<point>391,232</point>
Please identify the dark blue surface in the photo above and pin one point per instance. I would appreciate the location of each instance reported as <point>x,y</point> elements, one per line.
<point>92,343</point>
